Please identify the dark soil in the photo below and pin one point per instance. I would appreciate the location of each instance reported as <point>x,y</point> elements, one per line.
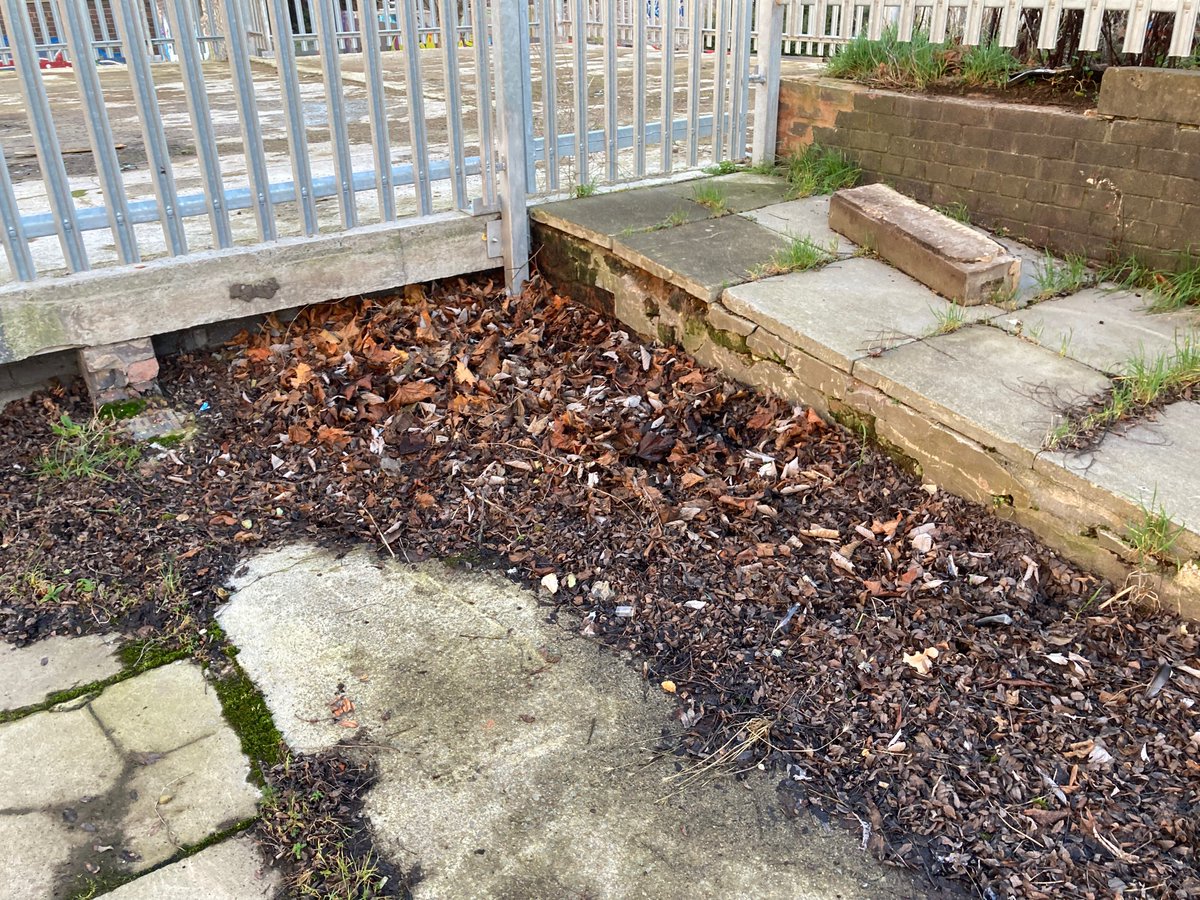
<point>929,671</point>
<point>1073,91</point>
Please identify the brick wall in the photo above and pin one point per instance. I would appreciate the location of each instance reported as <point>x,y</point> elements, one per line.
<point>1073,182</point>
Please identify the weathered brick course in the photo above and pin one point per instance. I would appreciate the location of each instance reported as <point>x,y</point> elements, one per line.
<point>1068,181</point>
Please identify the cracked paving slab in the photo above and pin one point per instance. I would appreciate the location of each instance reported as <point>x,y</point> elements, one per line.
<point>114,784</point>
<point>28,675</point>
<point>515,755</point>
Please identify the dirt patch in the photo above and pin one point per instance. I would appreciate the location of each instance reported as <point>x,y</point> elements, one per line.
<point>1078,91</point>
<point>942,681</point>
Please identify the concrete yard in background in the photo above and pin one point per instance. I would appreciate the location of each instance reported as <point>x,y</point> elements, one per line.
<point>516,757</point>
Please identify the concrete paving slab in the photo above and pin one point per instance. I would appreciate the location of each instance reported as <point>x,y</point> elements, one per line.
<point>1032,261</point>
<point>703,258</point>
<point>230,870</point>
<point>1155,463</point>
<point>102,797</point>
<point>1102,327</point>
<point>601,217</point>
<point>160,710</point>
<point>808,217</point>
<point>28,675</point>
<point>745,191</point>
<point>846,310</point>
<point>54,759</point>
<point>198,790</point>
<point>33,846</point>
<point>993,387</point>
<point>517,762</point>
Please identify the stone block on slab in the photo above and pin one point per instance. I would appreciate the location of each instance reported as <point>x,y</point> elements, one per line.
<point>951,258</point>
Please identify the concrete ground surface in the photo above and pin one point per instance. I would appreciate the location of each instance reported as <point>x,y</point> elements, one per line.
<point>970,395</point>
<point>515,756</point>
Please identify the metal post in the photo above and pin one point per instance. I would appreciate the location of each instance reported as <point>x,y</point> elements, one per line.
<point>331,72</point>
<point>12,232</point>
<point>280,20</point>
<point>766,90</point>
<point>510,29</point>
<point>368,20</point>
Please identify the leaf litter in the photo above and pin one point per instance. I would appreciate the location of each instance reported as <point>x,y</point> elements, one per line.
<point>907,663</point>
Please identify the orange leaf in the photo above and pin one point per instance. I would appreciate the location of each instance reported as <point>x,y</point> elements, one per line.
<point>412,392</point>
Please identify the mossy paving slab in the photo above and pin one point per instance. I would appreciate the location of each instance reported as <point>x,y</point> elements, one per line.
<point>115,784</point>
<point>515,763</point>
<point>603,217</point>
<point>1102,327</point>
<point>845,311</point>
<point>28,675</point>
<point>808,217</point>
<point>702,258</point>
<point>997,389</point>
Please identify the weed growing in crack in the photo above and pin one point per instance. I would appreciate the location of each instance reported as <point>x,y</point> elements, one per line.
<point>90,449</point>
<point>1155,535</point>
<point>948,320</point>
<point>586,189</point>
<point>1169,289</point>
<point>800,255</point>
<point>819,170</point>
<point>1056,278</point>
<point>711,196</point>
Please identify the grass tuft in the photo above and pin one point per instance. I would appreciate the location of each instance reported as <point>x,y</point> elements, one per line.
<point>92,449</point>
<point>1145,383</point>
<point>1155,535</point>
<point>802,254</point>
<point>819,170</point>
<point>890,61</point>
<point>949,320</point>
<point>711,196</point>
<point>987,65</point>
<point>586,189</point>
<point>1056,278</point>
<point>1170,289</point>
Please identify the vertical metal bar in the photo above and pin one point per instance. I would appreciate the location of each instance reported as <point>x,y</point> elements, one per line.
<point>132,28</point>
<point>37,108</point>
<point>331,73</point>
<point>77,34</point>
<point>368,21</point>
<point>293,107</point>
<point>12,235</point>
<point>739,44</point>
<point>483,102</point>
<point>416,107</point>
<point>511,33</point>
<point>102,16</point>
<point>243,84</point>
<point>42,38</point>
<point>766,92</point>
<point>611,92</point>
<point>719,82</point>
<point>695,57</point>
<point>156,30</point>
<point>579,36</point>
<point>1184,34</point>
<point>670,19</point>
<point>743,78</point>
<point>187,48</point>
<point>638,11</point>
<point>550,93</point>
<point>454,124</point>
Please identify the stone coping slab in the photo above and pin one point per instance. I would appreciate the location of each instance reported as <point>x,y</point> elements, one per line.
<point>845,311</point>
<point>702,258</point>
<point>991,386</point>
<point>951,258</point>
<point>1103,327</point>
<point>603,217</point>
<point>1164,95</point>
<point>230,870</point>
<point>28,675</point>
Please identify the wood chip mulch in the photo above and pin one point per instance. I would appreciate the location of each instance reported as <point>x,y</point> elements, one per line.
<point>931,674</point>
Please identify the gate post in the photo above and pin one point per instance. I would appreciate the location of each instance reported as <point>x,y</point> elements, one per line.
<point>510,55</point>
<point>766,91</point>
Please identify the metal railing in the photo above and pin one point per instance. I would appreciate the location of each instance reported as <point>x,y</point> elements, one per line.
<point>177,132</point>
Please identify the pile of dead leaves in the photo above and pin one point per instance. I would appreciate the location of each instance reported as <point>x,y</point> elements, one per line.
<point>930,674</point>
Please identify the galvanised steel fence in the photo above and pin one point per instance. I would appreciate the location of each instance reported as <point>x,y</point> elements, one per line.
<point>175,126</point>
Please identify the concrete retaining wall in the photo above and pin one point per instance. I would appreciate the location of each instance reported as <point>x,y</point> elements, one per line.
<point>1070,181</point>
